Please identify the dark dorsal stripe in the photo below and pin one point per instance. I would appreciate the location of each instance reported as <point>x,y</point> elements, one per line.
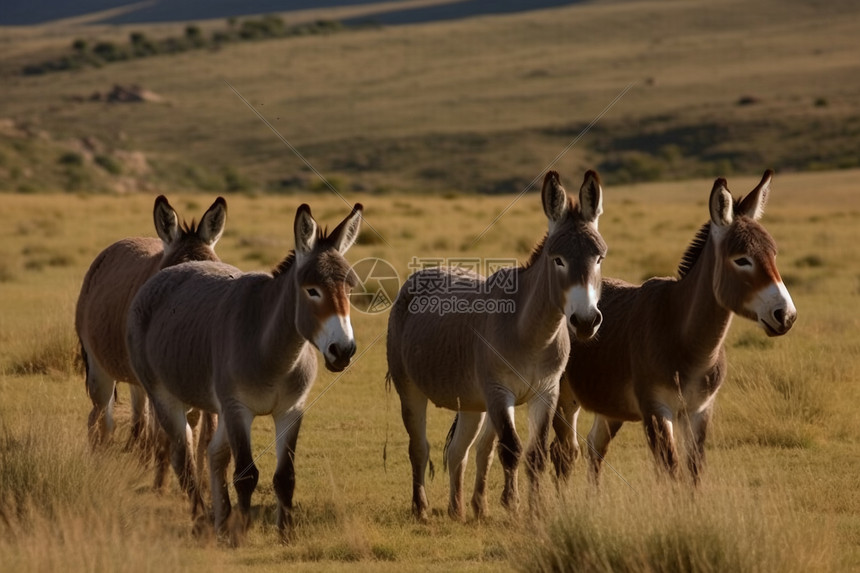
<point>691,255</point>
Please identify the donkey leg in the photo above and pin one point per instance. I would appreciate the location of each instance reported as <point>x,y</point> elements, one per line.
<point>541,408</point>
<point>699,423</point>
<point>486,443</point>
<point>602,432</point>
<point>500,408</point>
<point>237,419</point>
<point>171,416</point>
<point>161,457</point>
<point>219,459</point>
<point>287,425</point>
<point>464,431</point>
<point>413,409</point>
<point>564,449</point>
<point>658,428</point>
<point>100,388</point>
<point>194,418</point>
<point>139,406</point>
<point>206,430</point>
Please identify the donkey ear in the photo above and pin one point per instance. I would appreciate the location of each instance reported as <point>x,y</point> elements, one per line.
<point>753,204</point>
<point>591,197</point>
<point>554,199</point>
<point>721,204</point>
<point>305,229</point>
<point>345,234</point>
<point>212,224</point>
<point>166,221</point>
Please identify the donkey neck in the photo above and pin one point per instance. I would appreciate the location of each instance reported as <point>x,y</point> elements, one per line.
<point>281,344</point>
<point>538,319</point>
<point>703,320</point>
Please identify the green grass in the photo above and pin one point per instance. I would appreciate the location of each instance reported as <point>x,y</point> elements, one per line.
<point>779,491</point>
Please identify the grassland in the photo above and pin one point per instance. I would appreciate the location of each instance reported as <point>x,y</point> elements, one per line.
<point>715,88</point>
<point>472,105</point>
<point>780,492</point>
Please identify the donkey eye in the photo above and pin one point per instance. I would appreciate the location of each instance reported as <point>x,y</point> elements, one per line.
<point>600,259</point>
<point>313,293</point>
<point>743,262</point>
<point>559,262</point>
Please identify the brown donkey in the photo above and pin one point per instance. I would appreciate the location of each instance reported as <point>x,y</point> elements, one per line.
<point>479,362</point>
<point>207,335</point>
<point>108,288</point>
<point>659,357</point>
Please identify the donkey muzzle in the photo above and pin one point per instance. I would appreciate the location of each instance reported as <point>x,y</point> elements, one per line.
<point>586,327</point>
<point>337,356</point>
<point>781,321</point>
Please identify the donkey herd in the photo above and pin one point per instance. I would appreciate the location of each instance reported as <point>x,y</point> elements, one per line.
<point>206,348</point>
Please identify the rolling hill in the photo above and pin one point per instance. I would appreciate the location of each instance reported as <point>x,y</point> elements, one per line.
<point>643,91</point>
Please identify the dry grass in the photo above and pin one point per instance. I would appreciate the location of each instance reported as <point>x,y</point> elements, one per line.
<point>780,488</point>
<point>721,528</point>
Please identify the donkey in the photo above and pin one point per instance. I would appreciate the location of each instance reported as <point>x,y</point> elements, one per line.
<point>660,356</point>
<point>478,362</point>
<point>109,286</point>
<point>206,335</point>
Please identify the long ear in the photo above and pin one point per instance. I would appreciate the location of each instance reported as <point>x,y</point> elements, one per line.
<point>753,204</point>
<point>721,204</point>
<point>305,229</point>
<point>345,234</point>
<point>554,199</point>
<point>591,197</point>
<point>166,221</point>
<point>212,224</point>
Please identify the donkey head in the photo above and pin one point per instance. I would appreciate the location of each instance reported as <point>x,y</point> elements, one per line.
<point>575,250</point>
<point>324,280</point>
<point>746,280</point>
<point>185,242</point>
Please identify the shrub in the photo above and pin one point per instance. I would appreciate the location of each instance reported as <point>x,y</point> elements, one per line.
<point>110,52</point>
<point>71,158</point>
<point>194,35</point>
<point>109,164</point>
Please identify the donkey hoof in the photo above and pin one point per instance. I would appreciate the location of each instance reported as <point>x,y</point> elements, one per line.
<point>203,529</point>
<point>420,514</point>
<point>480,509</point>
<point>511,503</point>
<point>456,513</point>
<point>286,528</point>
<point>287,535</point>
<point>237,528</point>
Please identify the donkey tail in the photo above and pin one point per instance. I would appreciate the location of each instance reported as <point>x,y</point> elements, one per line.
<point>83,358</point>
<point>448,441</point>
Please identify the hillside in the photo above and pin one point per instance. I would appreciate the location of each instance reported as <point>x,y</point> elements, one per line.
<point>477,104</point>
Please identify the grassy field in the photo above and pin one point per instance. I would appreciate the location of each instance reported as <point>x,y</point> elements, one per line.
<point>715,88</point>
<point>780,490</point>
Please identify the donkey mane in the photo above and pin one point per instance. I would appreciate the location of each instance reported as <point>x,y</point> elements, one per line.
<point>189,228</point>
<point>536,253</point>
<point>285,265</point>
<point>537,250</point>
<point>691,255</point>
